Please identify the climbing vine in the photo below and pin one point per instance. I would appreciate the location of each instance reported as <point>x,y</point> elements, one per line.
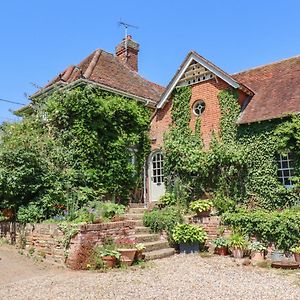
<point>240,166</point>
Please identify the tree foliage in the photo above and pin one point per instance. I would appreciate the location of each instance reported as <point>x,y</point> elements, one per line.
<point>77,146</point>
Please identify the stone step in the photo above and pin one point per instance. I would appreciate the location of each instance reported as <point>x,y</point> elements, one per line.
<point>145,238</point>
<point>139,223</point>
<point>157,245</point>
<point>133,216</point>
<point>161,253</point>
<point>137,205</point>
<point>141,230</point>
<point>137,210</point>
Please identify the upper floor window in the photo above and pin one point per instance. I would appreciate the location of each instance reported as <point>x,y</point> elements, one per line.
<point>199,107</point>
<point>285,169</point>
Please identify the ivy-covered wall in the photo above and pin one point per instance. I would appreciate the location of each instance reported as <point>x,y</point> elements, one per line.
<point>240,166</point>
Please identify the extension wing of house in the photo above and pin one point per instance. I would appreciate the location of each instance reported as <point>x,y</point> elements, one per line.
<point>264,93</point>
<point>117,73</point>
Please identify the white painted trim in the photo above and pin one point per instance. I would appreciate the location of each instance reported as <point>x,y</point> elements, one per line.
<point>192,57</point>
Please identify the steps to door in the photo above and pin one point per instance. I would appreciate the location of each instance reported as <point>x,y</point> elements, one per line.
<point>156,247</point>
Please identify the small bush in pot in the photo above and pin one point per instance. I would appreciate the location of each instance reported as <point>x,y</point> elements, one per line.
<point>201,207</point>
<point>189,237</point>
<point>296,252</point>
<point>126,246</point>
<point>237,244</point>
<point>140,247</point>
<point>221,245</point>
<point>257,251</point>
<point>110,257</point>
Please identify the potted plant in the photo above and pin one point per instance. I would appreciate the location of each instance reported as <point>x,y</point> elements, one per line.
<point>189,237</point>
<point>257,251</point>
<point>277,255</point>
<point>221,245</point>
<point>237,244</point>
<point>296,251</point>
<point>126,247</point>
<point>109,257</point>
<point>140,247</point>
<point>201,207</point>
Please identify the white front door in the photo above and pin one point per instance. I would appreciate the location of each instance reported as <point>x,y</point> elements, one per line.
<point>156,176</point>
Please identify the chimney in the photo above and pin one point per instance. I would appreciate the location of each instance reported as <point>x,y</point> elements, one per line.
<point>129,56</point>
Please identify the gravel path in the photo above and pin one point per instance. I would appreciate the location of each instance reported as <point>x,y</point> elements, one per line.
<point>177,277</point>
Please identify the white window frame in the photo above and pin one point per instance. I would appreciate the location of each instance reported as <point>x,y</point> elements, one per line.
<point>285,169</point>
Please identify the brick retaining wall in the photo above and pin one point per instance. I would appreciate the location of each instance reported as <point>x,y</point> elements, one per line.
<point>46,240</point>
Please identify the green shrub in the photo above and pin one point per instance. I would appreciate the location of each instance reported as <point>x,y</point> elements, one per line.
<point>201,205</point>
<point>167,199</point>
<point>237,240</point>
<point>164,219</point>
<point>220,242</point>
<point>223,203</point>
<point>188,234</point>
<point>30,214</point>
<point>279,227</point>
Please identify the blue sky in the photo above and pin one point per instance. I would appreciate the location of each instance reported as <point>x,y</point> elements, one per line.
<point>41,38</point>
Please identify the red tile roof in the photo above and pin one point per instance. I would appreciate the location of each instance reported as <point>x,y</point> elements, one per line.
<point>106,69</point>
<point>276,90</point>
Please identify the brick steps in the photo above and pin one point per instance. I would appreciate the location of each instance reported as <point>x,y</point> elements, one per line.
<point>134,216</point>
<point>138,210</point>
<point>155,246</point>
<point>145,238</point>
<point>141,230</point>
<point>161,253</point>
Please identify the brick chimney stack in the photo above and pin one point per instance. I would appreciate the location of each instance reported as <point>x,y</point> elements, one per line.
<point>129,57</point>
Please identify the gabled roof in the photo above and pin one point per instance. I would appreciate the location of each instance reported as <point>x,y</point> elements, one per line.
<point>107,70</point>
<point>195,57</point>
<point>277,90</point>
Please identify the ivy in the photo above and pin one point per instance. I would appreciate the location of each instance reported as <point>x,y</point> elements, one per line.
<point>76,147</point>
<point>240,165</point>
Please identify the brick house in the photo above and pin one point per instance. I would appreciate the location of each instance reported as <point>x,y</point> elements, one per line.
<point>264,94</point>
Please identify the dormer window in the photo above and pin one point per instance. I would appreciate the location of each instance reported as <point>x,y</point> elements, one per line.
<point>199,107</point>
<point>285,169</point>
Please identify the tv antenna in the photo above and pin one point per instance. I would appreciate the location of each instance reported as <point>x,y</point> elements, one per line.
<point>126,25</point>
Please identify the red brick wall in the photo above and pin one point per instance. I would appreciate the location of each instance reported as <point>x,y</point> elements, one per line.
<point>210,119</point>
<point>45,240</point>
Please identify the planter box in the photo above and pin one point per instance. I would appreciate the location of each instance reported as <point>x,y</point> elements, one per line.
<point>189,248</point>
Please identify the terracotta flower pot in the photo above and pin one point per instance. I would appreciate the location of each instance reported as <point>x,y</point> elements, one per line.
<point>139,255</point>
<point>127,255</point>
<point>221,250</point>
<point>297,257</point>
<point>109,261</point>
<point>257,255</point>
<point>237,252</point>
<point>204,214</point>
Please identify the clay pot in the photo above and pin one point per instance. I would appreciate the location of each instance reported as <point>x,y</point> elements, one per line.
<point>127,256</point>
<point>237,252</point>
<point>109,261</point>
<point>221,250</point>
<point>204,214</point>
<point>139,255</point>
<point>257,255</point>
<point>297,257</point>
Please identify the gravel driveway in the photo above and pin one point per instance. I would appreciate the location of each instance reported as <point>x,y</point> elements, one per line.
<point>177,277</point>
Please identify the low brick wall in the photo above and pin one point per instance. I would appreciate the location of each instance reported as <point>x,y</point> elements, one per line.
<point>46,240</point>
<point>210,225</point>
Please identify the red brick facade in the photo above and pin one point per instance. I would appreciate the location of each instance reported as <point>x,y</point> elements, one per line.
<point>210,119</point>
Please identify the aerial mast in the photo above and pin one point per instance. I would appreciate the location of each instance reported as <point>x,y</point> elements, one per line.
<point>126,25</point>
